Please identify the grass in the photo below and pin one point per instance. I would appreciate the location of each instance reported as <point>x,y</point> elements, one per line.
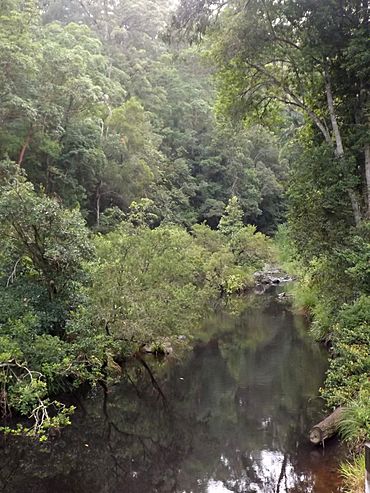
<point>355,424</point>
<point>353,473</point>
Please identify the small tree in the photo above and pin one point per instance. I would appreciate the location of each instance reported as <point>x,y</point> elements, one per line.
<point>232,219</point>
<point>42,250</point>
<point>43,247</point>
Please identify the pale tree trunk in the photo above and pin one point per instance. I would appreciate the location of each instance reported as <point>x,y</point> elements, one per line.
<point>355,207</point>
<point>339,149</point>
<point>98,197</point>
<point>367,176</point>
<point>48,176</point>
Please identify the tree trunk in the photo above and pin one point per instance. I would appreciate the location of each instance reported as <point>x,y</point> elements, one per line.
<point>355,207</point>
<point>24,147</point>
<point>98,197</point>
<point>367,176</point>
<point>365,9</point>
<point>326,428</point>
<point>67,115</point>
<point>339,149</point>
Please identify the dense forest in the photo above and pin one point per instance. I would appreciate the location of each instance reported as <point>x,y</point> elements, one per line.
<point>152,158</point>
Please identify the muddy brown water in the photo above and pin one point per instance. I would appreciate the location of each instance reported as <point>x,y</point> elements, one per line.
<point>235,418</point>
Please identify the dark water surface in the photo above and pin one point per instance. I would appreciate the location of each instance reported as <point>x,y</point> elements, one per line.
<point>236,418</point>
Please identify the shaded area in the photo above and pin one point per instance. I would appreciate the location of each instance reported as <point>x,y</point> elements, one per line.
<point>238,409</point>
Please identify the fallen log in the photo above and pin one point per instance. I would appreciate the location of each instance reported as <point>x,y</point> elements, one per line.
<point>326,428</point>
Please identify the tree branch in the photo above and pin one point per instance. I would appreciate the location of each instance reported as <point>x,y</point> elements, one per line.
<point>295,100</point>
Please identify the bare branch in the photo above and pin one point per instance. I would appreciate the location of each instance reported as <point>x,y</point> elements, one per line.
<point>12,275</point>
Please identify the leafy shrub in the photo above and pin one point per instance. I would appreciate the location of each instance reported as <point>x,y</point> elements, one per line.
<point>350,364</point>
<point>250,247</point>
<point>157,283</point>
<point>148,283</point>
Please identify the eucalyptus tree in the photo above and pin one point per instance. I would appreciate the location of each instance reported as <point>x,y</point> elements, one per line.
<point>310,55</point>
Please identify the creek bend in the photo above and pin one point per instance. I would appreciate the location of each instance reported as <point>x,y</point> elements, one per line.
<point>236,418</point>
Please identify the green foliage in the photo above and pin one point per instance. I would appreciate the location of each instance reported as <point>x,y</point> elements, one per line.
<point>270,56</point>
<point>150,284</point>
<point>104,127</point>
<point>142,213</point>
<point>43,247</point>
<point>42,278</point>
<point>44,422</point>
<point>349,369</point>
<point>286,251</point>
<point>345,267</point>
<point>232,219</point>
<point>208,238</point>
<point>111,125</point>
<point>152,288</point>
<point>335,289</point>
<point>319,202</point>
<point>355,424</point>
<point>357,257</point>
<point>110,219</point>
<point>251,247</point>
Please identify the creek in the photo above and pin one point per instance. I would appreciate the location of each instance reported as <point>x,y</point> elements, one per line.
<point>236,416</point>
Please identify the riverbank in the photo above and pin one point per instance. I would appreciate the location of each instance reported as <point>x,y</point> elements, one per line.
<point>338,304</point>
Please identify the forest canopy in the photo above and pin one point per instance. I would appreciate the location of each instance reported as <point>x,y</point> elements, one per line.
<point>147,155</point>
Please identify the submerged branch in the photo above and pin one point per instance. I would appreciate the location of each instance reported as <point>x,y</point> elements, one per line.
<point>152,378</point>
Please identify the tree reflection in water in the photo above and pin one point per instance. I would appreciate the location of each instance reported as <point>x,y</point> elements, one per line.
<point>236,419</point>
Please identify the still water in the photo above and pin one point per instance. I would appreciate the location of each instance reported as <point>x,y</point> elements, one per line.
<point>235,418</point>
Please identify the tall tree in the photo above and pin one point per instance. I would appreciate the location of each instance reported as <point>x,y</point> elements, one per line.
<point>299,54</point>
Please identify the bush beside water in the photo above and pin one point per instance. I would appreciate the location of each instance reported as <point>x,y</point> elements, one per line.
<point>74,302</point>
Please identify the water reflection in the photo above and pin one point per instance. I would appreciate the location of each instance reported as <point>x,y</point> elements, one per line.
<point>235,420</point>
